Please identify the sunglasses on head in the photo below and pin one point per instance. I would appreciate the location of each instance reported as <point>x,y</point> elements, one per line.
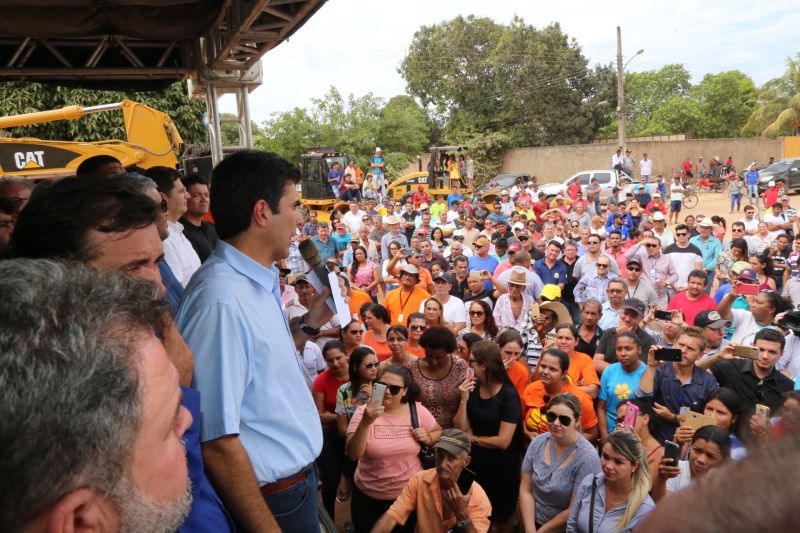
<point>564,419</point>
<point>394,390</point>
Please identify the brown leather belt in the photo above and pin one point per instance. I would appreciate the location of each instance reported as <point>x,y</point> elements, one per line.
<point>287,482</point>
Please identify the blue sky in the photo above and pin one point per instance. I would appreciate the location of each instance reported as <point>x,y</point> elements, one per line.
<point>357,45</point>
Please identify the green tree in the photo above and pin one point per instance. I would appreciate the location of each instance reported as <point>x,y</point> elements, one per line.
<point>16,98</point>
<point>647,91</point>
<point>777,109</point>
<point>403,126</point>
<point>230,130</point>
<point>679,114</point>
<point>533,85</point>
<point>725,102</point>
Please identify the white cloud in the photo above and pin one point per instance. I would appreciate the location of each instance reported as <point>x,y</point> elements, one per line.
<point>356,45</point>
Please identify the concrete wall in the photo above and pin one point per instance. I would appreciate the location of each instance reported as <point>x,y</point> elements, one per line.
<point>556,163</point>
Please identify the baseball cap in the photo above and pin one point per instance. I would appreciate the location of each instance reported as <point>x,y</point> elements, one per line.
<point>634,261</point>
<point>513,247</point>
<point>559,197</point>
<point>421,231</point>
<point>420,187</point>
<point>748,274</point>
<point>635,305</point>
<point>518,225</point>
<point>377,148</point>
<point>354,238</point>
<point>771,183</point>
<point>423,206</point>
<point>709,319</point>
<point>784,197</point>
<point>551,292</point>
<point>504,193</point>
<point>442,276</point>
<point>410,269</point>
<point>298,278</point>
<point>481,241</point>
<point>454,441</point>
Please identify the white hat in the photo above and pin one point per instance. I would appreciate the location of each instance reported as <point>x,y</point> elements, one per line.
<point>377,148</point>
<point>423,206</point>
<point>771,183</point>
<point>391,219</point>
<point>658,215</point>
<point>518,225</point>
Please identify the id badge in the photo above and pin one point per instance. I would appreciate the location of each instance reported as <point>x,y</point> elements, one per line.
<point>653,273</point>
<point>400,318</point>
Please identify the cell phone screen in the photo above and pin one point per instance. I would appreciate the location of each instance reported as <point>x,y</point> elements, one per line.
<point>465,480</point>
<point>671,451</point>
<point>668,354</point>
<point>663,315</point>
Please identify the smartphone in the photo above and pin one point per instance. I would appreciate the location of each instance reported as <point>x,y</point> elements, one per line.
<point>550,338</point>
<point>663,315</point>
<point>671,451</point>
<point>631,412</point>
<point>465,480</point>
<point>408,252</point>
<point>471,373</point>
<point>669,354</point>
<point>696,420</point>
<point>750,352</point>
<point>535,312</point>
<point>378,391</point>
<point>747,289</point>
<point>728,334</point>
<point>762,414</point>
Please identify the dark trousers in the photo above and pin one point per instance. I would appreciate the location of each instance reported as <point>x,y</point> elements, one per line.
<point>331,462</point>
<point>366,511</point>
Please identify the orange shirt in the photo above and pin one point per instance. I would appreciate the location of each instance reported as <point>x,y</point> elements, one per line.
<point>534,403</point>
<point>416,352</point>
<point>581,370</point>
<point>401,304</point>
<point>519,375</point>
<point>357,299</point>
<point>425,279</point>
<point>381,348</point>
<point>423,495</point>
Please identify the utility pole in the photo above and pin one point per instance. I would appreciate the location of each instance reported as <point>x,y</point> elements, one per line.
<point>620,93</point>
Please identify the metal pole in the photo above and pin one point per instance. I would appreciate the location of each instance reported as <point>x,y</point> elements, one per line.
<point>620,93</point>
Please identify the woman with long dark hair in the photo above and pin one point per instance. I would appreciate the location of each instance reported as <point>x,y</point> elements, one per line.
<point>481,321</point>
<point>617,499</point>
<point>364,273</point>
<point>377,320</point>
<point>386,446</point>
<point>490,413</point>
<point>352,335</point>
<point>417,324</point>
<point>762,264</point>
<point>724,405</point>
<point>331,460</point>
<point>397,338</point>
<point>362,368</point>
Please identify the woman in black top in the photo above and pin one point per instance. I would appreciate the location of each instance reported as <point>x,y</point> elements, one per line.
<point>490,412</point>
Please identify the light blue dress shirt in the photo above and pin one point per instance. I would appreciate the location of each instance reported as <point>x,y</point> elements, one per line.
<point>245,364</point>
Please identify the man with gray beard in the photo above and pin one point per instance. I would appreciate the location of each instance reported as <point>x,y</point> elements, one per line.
<point>91,422</point>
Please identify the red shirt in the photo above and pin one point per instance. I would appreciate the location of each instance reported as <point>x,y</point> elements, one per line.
<point>691,308</point>
<point>652,205</point>
<point>420,197</point>
<point>687,166</point>
<point>327,384</point>
<point>539,208</point>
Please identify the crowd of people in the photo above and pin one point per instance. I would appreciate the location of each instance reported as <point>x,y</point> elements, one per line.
<point>511,366</point>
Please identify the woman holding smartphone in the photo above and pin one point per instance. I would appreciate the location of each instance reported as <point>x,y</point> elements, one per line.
<point>362,368</point>
<point>617,499</point>
<point>386,445</point>
<point>724,405</point>
<point>710,448</point>
<point>554,465</point>
<point>490,412</point>
<point>645,426</point>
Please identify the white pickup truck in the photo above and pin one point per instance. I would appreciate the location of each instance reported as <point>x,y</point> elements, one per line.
<point>607,179</point>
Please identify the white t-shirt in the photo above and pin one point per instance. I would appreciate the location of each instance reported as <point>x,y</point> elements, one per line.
<point>353,220</point>
<point>312,362</point>
<point>676,192</point>
<point>453,310</point>
<point>769,218</point>
<point>682,480</point>
<point>744,327</point>
<point>750,225</point>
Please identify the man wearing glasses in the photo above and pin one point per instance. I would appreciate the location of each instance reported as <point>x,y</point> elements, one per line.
<point>587,261</point>
<point>658,269</point>
<point>635,287</point>
<point>750,221</point>
<point>612,308</point>
<point>594,284</point>
<point>482,260</point>
<point>710,248</point>
<point>686,256</point>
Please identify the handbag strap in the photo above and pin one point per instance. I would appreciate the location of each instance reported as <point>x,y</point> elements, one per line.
<point>412,408</point>
<point>591,506</point>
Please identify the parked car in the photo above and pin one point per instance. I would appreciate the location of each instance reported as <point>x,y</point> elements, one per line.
<point>506,181</point>
<point>607,179</point>
<point>785,173</point>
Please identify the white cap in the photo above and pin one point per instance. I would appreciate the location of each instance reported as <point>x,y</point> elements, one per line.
<point>518,225</point>
<point>771,183</point>
<point>377,148</point>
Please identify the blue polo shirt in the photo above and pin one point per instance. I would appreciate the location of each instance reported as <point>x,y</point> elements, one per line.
<point>326,249</point>
<point>246,369</point>
<point>489,263</point>
<point>551,276</point>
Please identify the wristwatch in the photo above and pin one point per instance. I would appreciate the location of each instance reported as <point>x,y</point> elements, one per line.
<point>305,328</point>
<point>463,523</point>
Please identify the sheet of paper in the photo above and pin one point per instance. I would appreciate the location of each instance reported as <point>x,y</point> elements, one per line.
<point>340,307</point>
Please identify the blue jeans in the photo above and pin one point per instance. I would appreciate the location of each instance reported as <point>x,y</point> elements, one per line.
<point>295,508</point>
<point>752,191</point>
<point>710,274</point>
<point>736,201</point>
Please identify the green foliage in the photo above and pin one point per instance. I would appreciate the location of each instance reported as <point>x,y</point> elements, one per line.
<point>777,110</point>
<point>532,85</point>
<point>725,101</point>
<point>353,126</point>
<point>646,92</point>
<point>230,130</point>
<point>17,98</point>
<point>678,114</point>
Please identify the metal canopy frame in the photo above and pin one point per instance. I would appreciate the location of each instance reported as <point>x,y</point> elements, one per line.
<point>224,59</point>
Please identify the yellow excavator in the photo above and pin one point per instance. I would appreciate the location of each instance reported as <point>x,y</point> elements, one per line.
<point>152,140</point>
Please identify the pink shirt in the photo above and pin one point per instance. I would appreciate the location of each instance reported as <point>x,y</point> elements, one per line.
<point>391,455</point>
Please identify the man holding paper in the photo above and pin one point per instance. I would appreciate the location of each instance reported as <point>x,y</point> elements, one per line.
<point>259,444</point>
